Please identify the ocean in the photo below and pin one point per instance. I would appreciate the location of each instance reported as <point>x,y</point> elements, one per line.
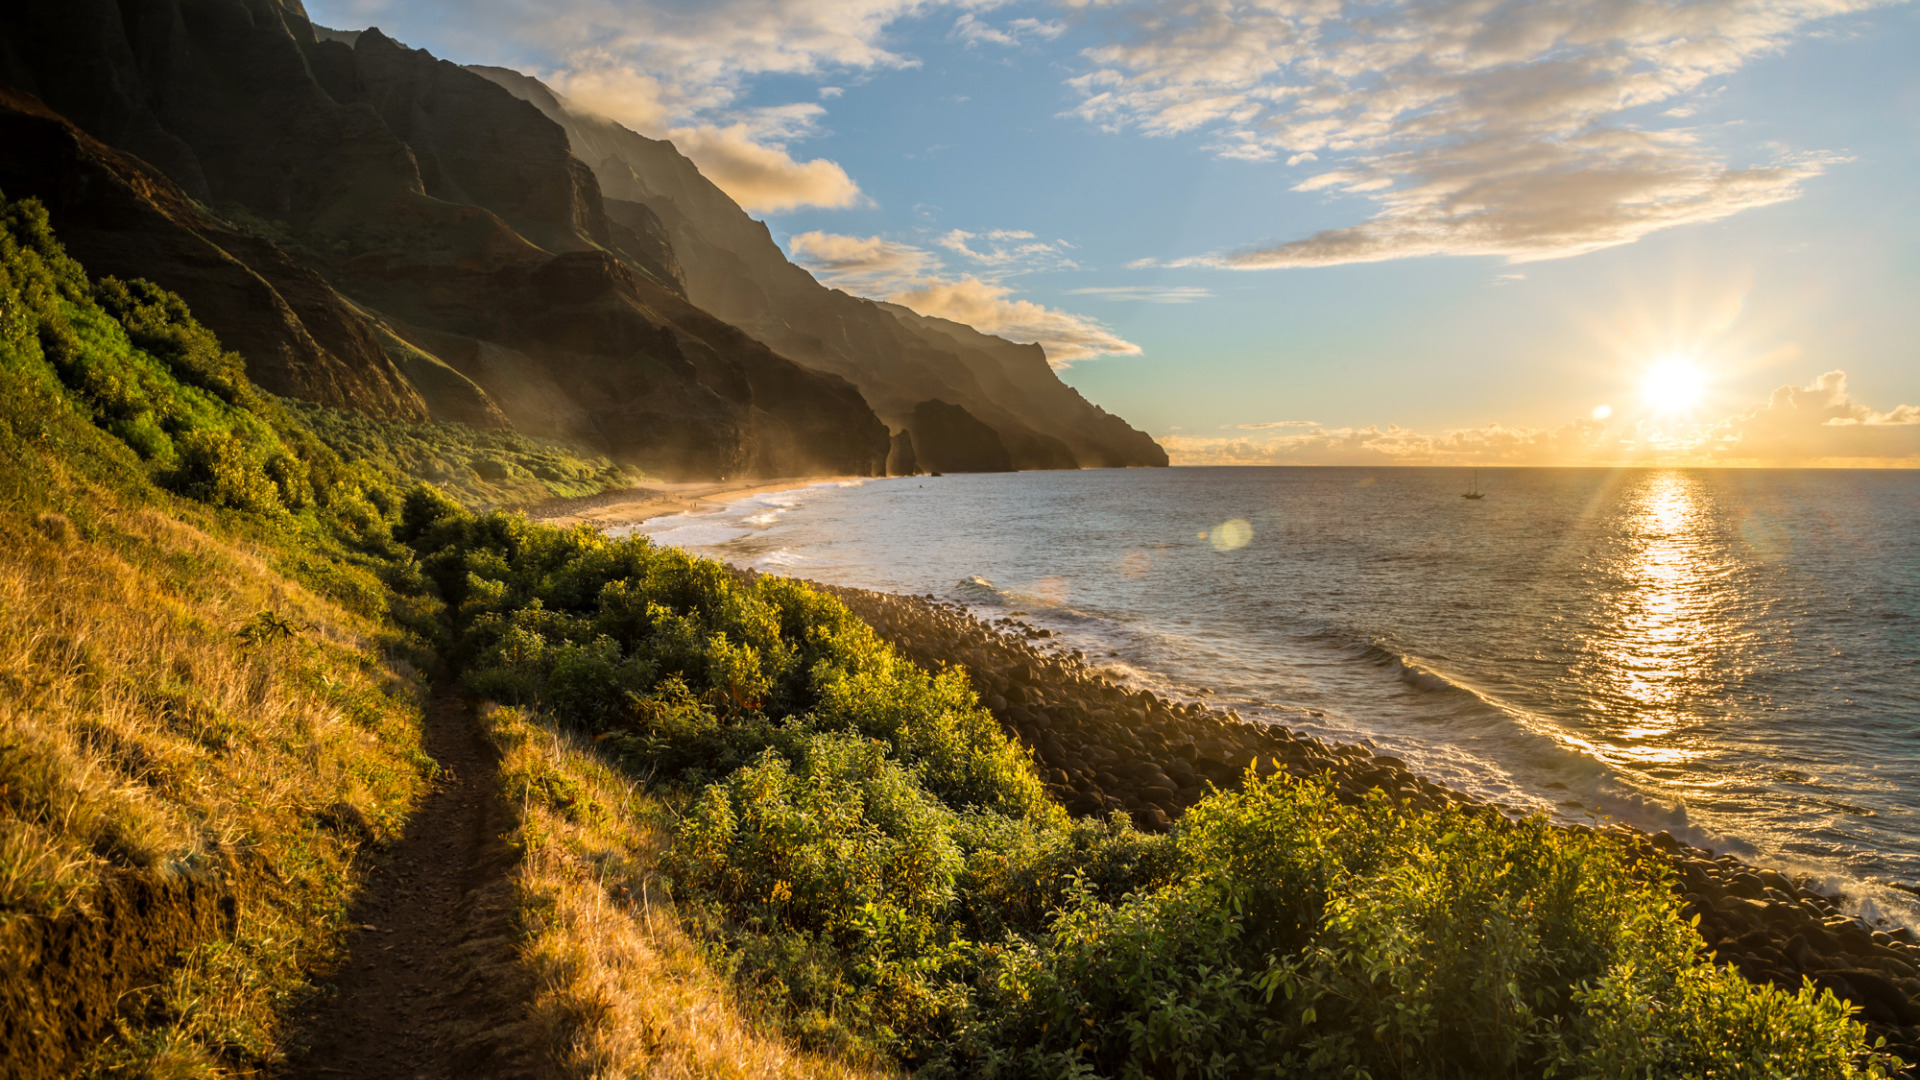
<point>1731,655</point>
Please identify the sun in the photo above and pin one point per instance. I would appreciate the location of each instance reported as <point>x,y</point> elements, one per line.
<point>1674,385</point>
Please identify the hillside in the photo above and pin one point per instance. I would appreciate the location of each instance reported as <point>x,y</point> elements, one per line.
<point>377,229</point>
<point>222,738</point>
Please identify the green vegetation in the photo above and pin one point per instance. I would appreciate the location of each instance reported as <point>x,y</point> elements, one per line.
<point>211,698</point>
<point>478,468</point>
<point>876,864</point>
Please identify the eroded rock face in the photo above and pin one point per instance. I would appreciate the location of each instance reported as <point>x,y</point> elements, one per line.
<point>472,142</point>
<point>692,396</point>
<point>901,459</point>
<point>948,438</point>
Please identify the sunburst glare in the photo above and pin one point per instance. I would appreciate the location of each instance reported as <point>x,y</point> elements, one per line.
<point>1674,386</point>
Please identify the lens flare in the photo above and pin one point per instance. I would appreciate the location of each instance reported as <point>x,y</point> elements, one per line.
<point>1230,534</point>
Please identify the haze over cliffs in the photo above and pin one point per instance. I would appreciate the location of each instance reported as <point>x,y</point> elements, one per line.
<point>375,228</point>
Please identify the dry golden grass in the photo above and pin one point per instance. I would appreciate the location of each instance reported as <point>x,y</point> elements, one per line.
<point>621,990</point>
<point>141,733</point>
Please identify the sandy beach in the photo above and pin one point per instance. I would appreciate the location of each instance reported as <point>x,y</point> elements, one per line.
<point>631,506</point>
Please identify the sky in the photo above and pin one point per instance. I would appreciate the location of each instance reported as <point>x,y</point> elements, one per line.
<point>1315,232</point>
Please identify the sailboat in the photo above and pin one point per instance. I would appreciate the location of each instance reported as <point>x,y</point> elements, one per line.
<point>1473,488</point>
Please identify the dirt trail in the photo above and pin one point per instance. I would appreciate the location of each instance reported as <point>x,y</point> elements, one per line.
<point>431,989</point>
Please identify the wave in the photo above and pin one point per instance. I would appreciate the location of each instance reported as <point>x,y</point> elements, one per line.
<point>978,590</point>
<point>1408,670</point>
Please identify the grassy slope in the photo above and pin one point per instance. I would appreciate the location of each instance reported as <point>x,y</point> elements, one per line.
<point>873,861</point>
<point>479,468</point>
<point>194,693</point>
<point>624,991</point>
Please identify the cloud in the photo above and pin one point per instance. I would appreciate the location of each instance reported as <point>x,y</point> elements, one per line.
<point>870,266</point>
<point>1818,422</point>
<point>760,175</point>
<point>1813,425</point>
<point>1527,131</point>
<point>915,277</point>
<point>974,32</point>
<point>1008,250</point>
<point>1280,424</point>
<point>1530,201</point>
<point>1146,294</point>
<point>1067,338</point>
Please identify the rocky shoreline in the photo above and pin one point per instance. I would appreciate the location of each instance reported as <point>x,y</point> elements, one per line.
<point>1102,747</point>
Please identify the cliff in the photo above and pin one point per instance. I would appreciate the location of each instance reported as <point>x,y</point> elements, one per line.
<point>732,267</point>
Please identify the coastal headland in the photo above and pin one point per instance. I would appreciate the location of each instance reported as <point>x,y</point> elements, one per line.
<point>1103,748</point>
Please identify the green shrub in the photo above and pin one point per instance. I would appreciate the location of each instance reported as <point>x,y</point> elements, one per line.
<point>217,469</point>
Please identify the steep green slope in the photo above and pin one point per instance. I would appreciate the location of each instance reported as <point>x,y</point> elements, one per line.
<point>212,650</point>
<point>211,698</point>
<point>882,869</point>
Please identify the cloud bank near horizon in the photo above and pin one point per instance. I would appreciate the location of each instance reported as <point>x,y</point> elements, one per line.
<point>1815,424</point>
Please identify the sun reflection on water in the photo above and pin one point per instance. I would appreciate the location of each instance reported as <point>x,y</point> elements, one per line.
<point>1665,625</point>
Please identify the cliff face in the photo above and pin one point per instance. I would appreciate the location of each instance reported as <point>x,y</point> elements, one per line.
<point>384,230</point>
<point>947,438</point>
<point>372,227</point>
<point>732,267</point>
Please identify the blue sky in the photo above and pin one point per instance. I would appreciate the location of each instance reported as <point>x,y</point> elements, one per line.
<point>1306,230</point>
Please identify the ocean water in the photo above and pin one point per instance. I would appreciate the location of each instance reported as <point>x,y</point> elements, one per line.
<point>1732,655</point>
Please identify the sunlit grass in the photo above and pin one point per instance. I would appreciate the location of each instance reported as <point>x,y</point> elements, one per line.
<point>622,990</point>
